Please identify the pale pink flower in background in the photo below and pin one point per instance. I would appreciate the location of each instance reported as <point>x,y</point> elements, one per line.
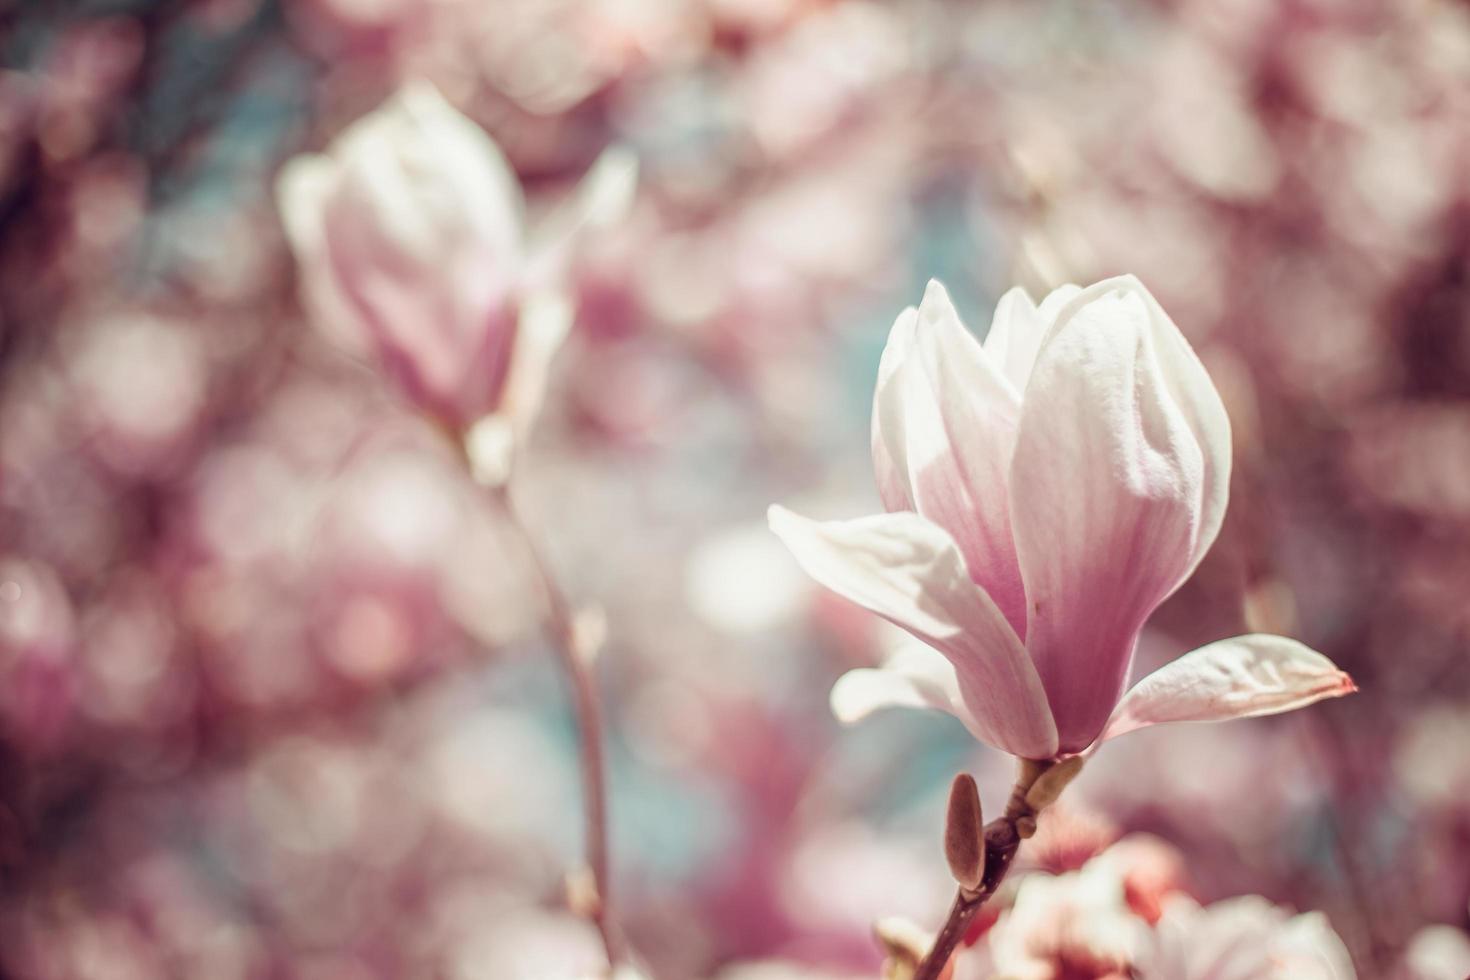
<point>1076,924</point>
<point>411,238</point>
<point>1046,491</point>
<point>1098,923</point>
<point>784,970</point>
<point>1437,952</point>
<point>1245,938</point>
<point>38,635</point>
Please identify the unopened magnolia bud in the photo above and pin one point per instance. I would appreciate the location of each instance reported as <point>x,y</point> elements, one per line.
<point>1049,785</point>
<point>964,834</point>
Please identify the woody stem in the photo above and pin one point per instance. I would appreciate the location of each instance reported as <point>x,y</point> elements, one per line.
<point>1003,837</point>
<point>576,665</point>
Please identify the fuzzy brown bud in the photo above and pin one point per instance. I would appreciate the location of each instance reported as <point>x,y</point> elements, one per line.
<point>964,834</point>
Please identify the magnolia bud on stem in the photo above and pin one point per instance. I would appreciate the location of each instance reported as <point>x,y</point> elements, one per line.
<point>979,857</point>
<point>964,834</point>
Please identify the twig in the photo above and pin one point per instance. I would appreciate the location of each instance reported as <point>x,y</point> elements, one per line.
<point>1003,837</point>
<point>576,664</point>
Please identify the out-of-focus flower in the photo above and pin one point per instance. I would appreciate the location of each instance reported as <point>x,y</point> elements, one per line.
<point>1436,953</point>
<point>37,637</point>
<point>1046,492</point>
<point>782,970</point>
<point>1091,923</point>
<point>410,235</point>
<point>1246,938</point>
<point>1071,925</point>
<point>530,945</point>
<point>140,383</point>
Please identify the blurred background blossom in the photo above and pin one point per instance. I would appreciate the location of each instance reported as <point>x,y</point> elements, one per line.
<point>273,701</point>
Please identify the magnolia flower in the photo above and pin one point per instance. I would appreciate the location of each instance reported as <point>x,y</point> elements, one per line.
<point>1045,493</point>
<point>1074,924</point>
<point>1246,938</point>
<point>411,240</point>
<point>1091,923</point>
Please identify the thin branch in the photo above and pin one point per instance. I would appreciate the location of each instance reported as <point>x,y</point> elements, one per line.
<point>577,667</point>
<point>1003,837</point>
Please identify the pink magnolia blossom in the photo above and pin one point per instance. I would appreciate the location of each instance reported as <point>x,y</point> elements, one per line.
<point>410,235</point>
<point>1046,491</point>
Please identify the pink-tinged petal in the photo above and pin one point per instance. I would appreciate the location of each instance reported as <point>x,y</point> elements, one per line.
<point>446,349</point>
<point>304,186</point>
<point>948,418</point>
<point>1198,401</point>
<point>418,221</point>
<point>1105,499</point>
<point>915,676</point>
<point>1242,677</point>
<point>445,177</point>
<point>908,570</point>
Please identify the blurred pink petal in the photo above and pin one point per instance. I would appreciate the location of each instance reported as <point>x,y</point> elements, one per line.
<point>909,571</point>
<point>1074,924</point>
<point>1242,677</point>
<point>1245,938</point>
<point>409,231</point>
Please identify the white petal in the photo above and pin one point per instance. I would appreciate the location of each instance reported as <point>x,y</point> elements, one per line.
<point>602,198</point>
<point>1015,336</point>
<point>303,188</point>
<point>948,418</point>
<point>1242,938</point>
<point>1018,328</point>
<point>429,217</point>
<point>545,320</point>
<point>1242,677</point>
<point>915,676</point>
<point>456,172</point>
<point>909,571</point>
<point>1198,402</point>
<point>1105,500</point>
<point>1052,306</point>
<point>606,193</point>
<point>890,461</point>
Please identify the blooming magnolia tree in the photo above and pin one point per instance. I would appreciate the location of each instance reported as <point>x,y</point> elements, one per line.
<point>388,585</point>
